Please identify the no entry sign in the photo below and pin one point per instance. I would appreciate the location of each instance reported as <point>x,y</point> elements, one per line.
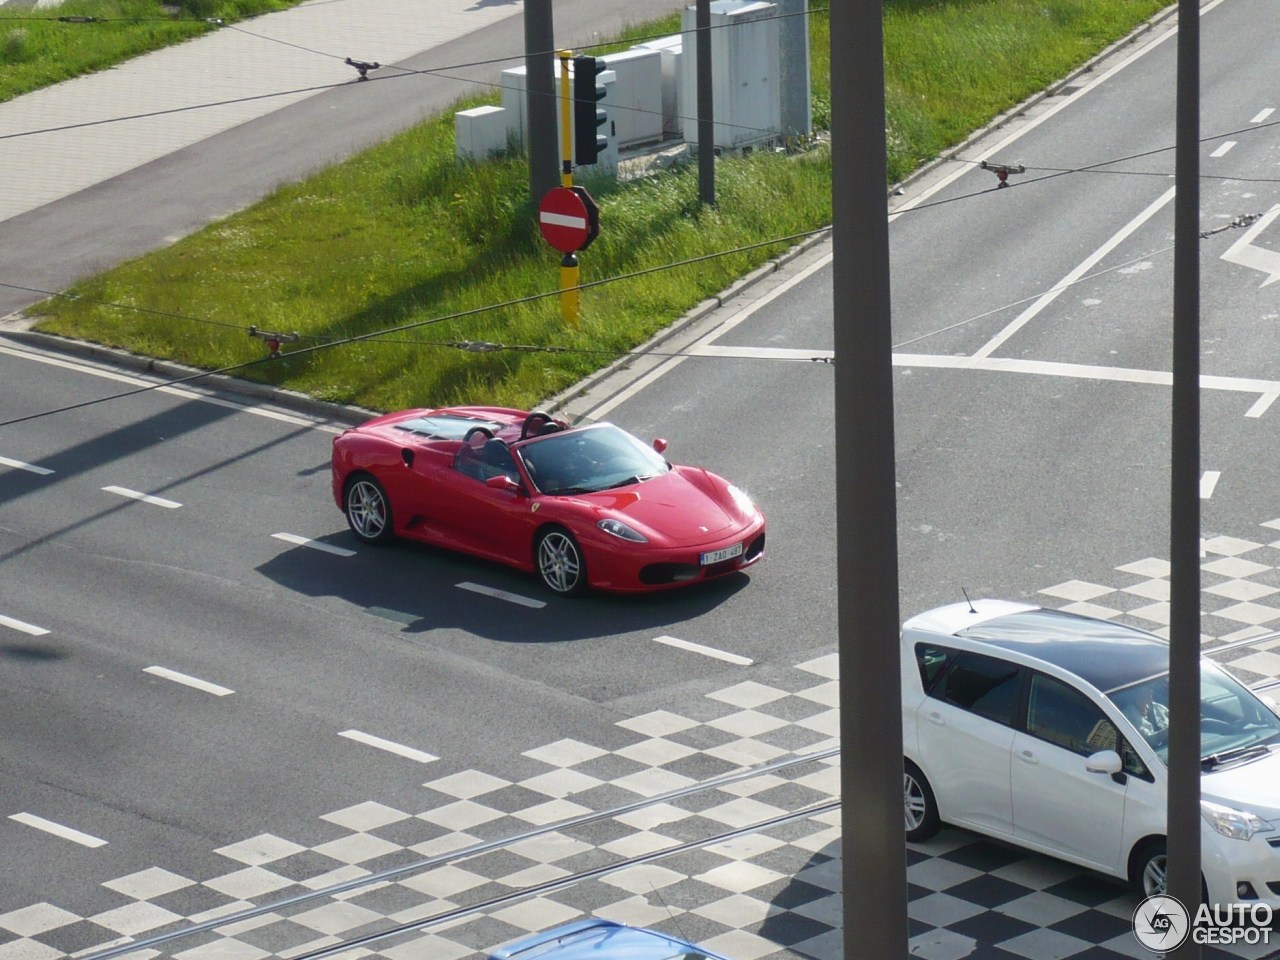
<point>568,218</point>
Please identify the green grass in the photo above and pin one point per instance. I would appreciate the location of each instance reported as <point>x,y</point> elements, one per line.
<point>38,49</point>
<point>405,239</point>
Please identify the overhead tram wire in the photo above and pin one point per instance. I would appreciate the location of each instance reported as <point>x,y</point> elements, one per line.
<point>381,336</point>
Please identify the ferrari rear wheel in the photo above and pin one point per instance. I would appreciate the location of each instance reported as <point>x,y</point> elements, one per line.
<point>368,509</point>
<point>558,559</point>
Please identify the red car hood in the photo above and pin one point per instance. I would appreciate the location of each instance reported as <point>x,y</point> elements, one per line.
<point>672,506</point>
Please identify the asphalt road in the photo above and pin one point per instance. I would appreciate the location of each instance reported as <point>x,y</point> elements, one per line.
<point>1032,433</point>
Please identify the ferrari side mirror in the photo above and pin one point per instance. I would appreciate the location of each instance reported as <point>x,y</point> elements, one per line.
<point>502,482</point>
<point>660,445</point>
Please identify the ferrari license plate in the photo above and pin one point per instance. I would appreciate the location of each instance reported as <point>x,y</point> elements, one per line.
<point>715,556</point>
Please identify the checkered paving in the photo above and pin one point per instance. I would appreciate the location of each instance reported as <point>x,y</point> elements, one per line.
<point>770,894</point>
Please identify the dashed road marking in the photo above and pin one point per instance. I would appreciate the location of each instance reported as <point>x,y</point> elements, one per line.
<point>314,544</point>
<point>195,682</point>
<point>144,497</point>
<point>1223,150</point>
<point>388,745</point>
<point>58,830</point>
<point>18,625</point>
<point>1263,114</point>
<point>1208,482</point>
<point>503,595</point>
<point>705,651</point>
<point>29,467</point>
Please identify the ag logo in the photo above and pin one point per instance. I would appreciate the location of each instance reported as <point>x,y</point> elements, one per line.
<point>1161,923</point>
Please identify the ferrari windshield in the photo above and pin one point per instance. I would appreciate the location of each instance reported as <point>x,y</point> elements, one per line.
<point>1234,722</point>
<point>586,460</point>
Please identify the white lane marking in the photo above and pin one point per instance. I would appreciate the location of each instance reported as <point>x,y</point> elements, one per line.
<point>171,391</point>
<point>1081,371</point>
<point>314,544</point>
<point>195,682</point>
<point>1263,114</point>
<point>29,467</point>
<point>1223,150</point>
<point>1246,254</point>
<point>58,830</point>
<point>672,362</point>
<point>22,627</point>
<point>503,595</point>
<point>144,497</point>
<point>390,746</point>
<point>971,163</point>
<point>1268,390</point>
<point>1262,405</point>
<point>705,651</point>
<point>1208,482</point>
<point>762,353</point>
<point>1084,267</point>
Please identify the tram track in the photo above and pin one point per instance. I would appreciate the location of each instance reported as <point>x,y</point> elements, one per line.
<point>130,945</point>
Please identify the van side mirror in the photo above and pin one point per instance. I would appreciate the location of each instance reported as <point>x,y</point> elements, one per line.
<point>1104,761</point>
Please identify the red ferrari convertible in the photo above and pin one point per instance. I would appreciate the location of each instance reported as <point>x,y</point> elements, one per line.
<point>578,505</point>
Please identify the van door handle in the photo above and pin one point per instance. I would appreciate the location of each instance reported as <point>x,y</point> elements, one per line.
<point>936,717</point>
<point>1028,757</point>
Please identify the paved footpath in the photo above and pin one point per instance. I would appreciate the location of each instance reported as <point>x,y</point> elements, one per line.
<point>53,142</point>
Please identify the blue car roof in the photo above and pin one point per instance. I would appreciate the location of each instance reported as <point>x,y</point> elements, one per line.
<point>596,939</point>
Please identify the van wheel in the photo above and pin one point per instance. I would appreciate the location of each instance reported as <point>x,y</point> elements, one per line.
<point>919,808</point>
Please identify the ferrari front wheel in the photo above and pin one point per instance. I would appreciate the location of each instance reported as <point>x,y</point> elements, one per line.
<point>368,510</point>
<point>558,560</point>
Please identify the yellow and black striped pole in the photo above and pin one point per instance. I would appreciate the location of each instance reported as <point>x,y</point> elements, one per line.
<point>569,263</point>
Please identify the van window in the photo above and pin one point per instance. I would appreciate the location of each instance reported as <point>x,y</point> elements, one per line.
<point>932,662</point>
<point>1064,716</point>
<point>983,685</point>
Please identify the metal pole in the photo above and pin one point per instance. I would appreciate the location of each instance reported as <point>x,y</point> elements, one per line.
<point>1184,521</point>
<point>706,107</point>
<point>539,93</point>
<point>874,843</point>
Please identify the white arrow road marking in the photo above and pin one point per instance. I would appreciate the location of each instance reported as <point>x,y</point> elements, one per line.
<point>1208,482</point>
<point>563,220</point>
<point>1246,254</point>
<point>182,678</point>
<point>705,651</point>
<point>19,465</point>
<point>22,627</point>
<point>57,829</point>
<point>314,544</point>
<point>144,497</point>
<point>390,746</point>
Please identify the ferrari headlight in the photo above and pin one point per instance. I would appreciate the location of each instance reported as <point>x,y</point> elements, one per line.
<point>1236,824</point>
<point>622,531</point>
<point>742,500</point>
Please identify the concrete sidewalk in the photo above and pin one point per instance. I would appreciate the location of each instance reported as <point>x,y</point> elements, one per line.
<point>57,141</point>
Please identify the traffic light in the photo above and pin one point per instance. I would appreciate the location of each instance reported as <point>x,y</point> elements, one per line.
<point>587,117</point>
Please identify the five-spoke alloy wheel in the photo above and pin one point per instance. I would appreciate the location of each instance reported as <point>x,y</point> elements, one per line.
<point>919,808</point>
<point>558,559</point>
<point>368,510</point>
